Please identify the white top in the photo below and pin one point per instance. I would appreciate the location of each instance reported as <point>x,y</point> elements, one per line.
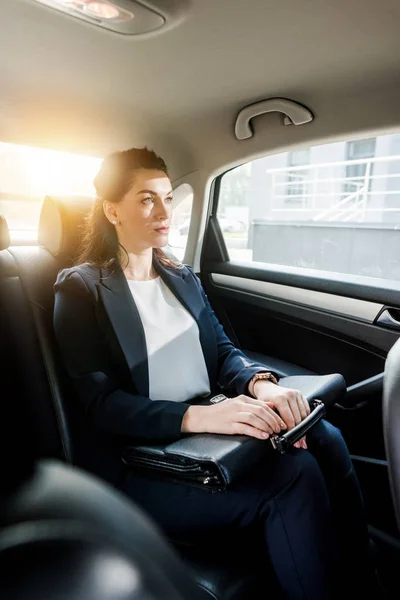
<point>177,369</point>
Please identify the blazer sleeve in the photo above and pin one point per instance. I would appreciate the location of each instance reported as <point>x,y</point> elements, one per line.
<point>87,360</point>
<point>235,369</point>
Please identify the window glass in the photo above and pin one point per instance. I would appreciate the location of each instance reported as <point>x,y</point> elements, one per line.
<point>28,174</point>
<point>356,170</point>
<point>180,222</point>
<point>296,187</point>
<point>333,207</point>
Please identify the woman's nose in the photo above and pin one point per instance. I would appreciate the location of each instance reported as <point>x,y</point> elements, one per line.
<point>164,211</point>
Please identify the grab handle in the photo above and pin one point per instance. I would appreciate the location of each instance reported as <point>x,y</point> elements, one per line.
<point>295,114</point>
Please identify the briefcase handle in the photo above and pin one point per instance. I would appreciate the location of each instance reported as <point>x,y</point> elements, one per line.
<point>281,443</point>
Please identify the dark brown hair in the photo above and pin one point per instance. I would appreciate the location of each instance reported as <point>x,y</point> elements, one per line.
<point>100,246</point>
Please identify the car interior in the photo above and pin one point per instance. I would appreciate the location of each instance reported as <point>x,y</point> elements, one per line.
<point>280,126</point>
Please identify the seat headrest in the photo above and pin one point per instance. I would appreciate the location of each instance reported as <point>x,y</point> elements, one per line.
<point>4,234</point>
<point>60,224</point>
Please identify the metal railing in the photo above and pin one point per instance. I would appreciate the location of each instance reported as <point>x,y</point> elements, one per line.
<point>332,192</point>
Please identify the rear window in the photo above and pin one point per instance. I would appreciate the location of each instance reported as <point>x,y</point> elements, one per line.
<point>27,174</point>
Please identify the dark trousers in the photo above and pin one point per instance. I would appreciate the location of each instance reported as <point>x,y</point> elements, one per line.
<point>306,504</point>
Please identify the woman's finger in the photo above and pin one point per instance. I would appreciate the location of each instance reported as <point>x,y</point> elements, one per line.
<point>249,418</point>
<point>265,412</point>
<point>302,404</point>
<point>295,408</point>
<point>306,404</point>
<point>244,429</point>
<point>285,412</point>
<point>301,443</point>
<point>265,415</point>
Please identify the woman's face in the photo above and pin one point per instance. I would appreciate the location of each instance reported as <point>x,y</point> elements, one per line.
<point>143,215</point>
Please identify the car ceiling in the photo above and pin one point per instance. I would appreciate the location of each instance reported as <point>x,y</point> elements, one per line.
<point>71,85</point>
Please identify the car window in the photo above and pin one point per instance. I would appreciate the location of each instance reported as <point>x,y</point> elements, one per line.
<point>27,174</point>
<point>180,222</point>
<point>333,207</point>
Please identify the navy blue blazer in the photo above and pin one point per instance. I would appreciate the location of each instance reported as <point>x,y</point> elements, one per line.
<point>102,342</point>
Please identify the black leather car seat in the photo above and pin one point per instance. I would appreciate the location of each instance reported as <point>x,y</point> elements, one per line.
<point>37,268</point>
<point>65,535</point>
<point>220,567</point>
<point>18,329</point>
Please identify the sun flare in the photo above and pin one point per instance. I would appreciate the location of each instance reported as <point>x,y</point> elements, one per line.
<point>36,171</point>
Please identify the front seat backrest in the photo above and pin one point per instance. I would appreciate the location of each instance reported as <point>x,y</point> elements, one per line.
<point>391,422</point>
<point>64,535</point>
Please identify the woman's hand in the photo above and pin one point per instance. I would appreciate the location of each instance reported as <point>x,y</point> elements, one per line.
<point>241,415</point>
<point>290,404</point>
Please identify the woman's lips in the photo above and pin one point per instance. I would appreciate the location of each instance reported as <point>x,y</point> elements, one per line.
<point>162,229</point>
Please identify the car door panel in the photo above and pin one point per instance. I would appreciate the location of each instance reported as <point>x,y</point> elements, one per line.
<point>310,337</point>
<point>322,323</point>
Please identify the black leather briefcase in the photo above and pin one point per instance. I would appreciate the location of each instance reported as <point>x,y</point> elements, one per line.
<point>215,461</point>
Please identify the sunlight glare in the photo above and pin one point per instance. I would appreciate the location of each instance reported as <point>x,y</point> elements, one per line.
<point>36,171</point>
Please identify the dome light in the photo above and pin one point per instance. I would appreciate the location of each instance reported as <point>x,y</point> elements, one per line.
<point>110,15</point>
<point>102,10</point>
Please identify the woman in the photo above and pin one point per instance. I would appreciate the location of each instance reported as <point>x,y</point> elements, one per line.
<point>140,339</point>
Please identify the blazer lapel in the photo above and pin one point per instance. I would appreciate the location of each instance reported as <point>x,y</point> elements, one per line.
<point>125,319</point>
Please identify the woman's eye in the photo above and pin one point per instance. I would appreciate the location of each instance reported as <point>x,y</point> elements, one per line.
<point>147,200</point>
<point>169,200</point>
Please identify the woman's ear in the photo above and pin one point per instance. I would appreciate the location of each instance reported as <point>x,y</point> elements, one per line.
<point>110,212</point>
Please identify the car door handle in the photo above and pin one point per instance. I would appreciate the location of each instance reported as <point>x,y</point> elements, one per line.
<point>388,318</point>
